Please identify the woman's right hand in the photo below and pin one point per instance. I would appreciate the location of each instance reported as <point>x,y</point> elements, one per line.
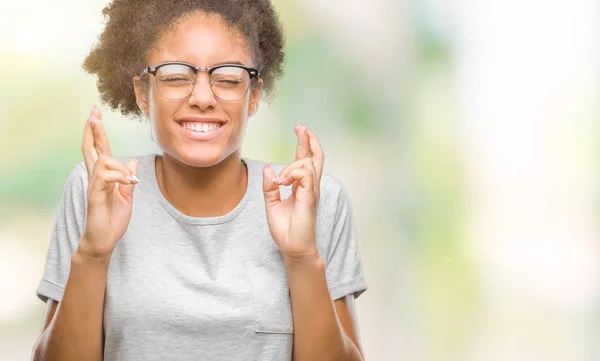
<point>109,192</point>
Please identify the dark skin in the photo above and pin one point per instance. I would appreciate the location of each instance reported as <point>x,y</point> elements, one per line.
<point>344,307</point>
<point>210,171</point>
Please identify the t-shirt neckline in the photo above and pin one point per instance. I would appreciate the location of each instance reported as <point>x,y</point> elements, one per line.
<point>203,220</point>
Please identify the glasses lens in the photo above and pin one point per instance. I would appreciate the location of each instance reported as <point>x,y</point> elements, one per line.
<point>175,81</point>
<point>230,82</point>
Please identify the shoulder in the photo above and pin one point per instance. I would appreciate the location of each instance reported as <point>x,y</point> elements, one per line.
<point>77,179</point>
<point>145,162</point>
<point>334,202</point>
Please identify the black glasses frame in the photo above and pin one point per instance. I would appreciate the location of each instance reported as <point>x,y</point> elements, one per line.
<point>253,73</point>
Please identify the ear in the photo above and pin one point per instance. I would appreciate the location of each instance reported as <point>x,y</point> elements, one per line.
<point>141,94</point>
<point>255,98</point>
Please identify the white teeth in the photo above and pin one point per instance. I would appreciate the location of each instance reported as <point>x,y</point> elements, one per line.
<point>201,127</point>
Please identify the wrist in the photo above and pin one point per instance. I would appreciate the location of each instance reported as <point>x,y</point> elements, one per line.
<point>306,261</point>
<point>83,255</point>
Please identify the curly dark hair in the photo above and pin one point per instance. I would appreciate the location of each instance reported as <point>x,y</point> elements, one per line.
<point>134,26</point>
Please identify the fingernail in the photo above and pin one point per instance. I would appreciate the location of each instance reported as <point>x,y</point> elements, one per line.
<point>275,180</point>
<point>298,124</point>
<point>92,111</point>
<point>133,178</point>
<point>306,130</point>
<point>280,181</point>
<point>91,120</point>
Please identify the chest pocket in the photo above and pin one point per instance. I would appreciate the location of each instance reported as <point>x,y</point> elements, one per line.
<point>271,295</point>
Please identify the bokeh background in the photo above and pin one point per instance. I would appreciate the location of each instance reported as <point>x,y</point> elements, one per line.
<point>466,133</point>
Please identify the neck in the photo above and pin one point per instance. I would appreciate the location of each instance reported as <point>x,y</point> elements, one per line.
<point>202,192</point>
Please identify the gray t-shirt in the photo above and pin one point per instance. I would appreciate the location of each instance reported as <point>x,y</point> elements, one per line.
<point>186,288</point>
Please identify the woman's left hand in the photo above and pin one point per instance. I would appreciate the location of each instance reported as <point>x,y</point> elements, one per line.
<point>292,221</point>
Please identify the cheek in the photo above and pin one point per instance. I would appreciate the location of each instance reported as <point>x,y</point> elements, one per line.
<point>236,112</point>
<point>161,110</point>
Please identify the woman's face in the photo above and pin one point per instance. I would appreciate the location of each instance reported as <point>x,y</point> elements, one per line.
<point>203,41</point>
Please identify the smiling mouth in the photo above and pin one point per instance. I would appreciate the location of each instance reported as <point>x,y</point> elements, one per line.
<point>200,127</point>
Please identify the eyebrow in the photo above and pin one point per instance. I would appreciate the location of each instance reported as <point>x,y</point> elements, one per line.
<point>230,62</point>
<point>237,62</point>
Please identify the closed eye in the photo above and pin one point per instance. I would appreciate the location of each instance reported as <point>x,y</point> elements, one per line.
<point>228,81</point>
<point>175,79</point>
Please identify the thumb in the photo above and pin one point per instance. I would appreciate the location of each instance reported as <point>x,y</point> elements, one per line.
<point>127,190</point>
<point>270,189</point>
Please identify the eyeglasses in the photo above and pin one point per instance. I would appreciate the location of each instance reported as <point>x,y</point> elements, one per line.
<point>176,80</point>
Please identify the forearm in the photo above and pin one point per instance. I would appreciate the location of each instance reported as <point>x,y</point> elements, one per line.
<point>318,333</point>
<point>75,333</point>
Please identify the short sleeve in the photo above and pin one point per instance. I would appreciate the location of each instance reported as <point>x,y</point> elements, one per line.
<point>339,248</point>
<point>66,233</point>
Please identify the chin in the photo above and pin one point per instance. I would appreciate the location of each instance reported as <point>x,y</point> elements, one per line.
<point>202,157</point>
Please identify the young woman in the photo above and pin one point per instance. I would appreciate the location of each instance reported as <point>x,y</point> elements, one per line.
<point>197,253</point>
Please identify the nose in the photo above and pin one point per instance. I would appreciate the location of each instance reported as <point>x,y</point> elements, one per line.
<point>202,95</point>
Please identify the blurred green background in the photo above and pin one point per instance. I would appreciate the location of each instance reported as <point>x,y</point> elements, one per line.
<point>465,132</point>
